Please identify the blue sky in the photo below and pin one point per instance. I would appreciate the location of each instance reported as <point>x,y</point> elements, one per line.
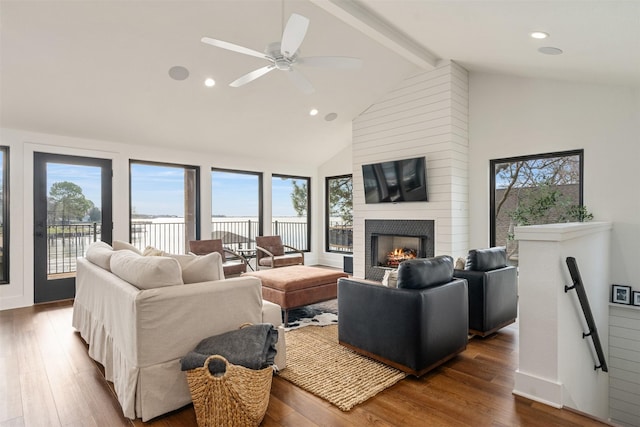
<point>159,190</point>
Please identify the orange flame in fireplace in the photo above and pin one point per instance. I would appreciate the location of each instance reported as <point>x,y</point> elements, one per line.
<point>396,256</point>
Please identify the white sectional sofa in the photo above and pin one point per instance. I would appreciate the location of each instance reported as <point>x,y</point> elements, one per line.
<point>139,333</point>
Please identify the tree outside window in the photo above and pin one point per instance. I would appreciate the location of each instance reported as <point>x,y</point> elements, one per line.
<point>339,214</point>
<point>538,189</point>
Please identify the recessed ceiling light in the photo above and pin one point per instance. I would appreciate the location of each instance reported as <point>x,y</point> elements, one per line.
<point>548,50</point>
<point>178,73</point>
<point>331,116</point>
<point>313,112</point>
<point>539,35</point>
<point>209,82</point>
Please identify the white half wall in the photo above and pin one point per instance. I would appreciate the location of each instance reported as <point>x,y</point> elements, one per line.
<point>556,364</point>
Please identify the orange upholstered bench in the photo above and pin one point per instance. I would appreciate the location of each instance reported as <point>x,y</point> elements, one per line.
<point>298,285</point>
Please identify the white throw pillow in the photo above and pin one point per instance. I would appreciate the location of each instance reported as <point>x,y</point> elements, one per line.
<point>119,245</point>
<point>151,251</point>
<point>146,272</point>
<point>200,268</point>
<point>390,278</point>
<point>99,253</point>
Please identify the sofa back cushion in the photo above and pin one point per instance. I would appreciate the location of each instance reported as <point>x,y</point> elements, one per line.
<point>200,268</point>
<point>119,245</point>
<point>423,273</point>
<point>146,272</point>
<point>99,253</point>
<point>486,259</point>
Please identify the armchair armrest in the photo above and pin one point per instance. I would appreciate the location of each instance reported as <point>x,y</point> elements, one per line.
<point>493,297</point>
<point>263,250</point>
<point>236,255</point>
<point>295,250</point>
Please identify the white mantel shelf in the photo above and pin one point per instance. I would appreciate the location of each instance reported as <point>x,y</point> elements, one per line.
<point>560,232</point>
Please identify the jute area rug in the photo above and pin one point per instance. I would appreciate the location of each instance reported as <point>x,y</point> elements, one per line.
<point>321,366</point>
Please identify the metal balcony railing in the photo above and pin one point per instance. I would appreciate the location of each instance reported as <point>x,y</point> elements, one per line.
<point>66,242</point>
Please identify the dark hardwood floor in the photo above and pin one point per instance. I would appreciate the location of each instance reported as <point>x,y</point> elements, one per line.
<point>47,379</point>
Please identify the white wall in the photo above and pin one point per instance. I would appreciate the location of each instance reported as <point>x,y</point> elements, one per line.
<point>22,145</point>
<point>511,116</point>
<point>425,115</point>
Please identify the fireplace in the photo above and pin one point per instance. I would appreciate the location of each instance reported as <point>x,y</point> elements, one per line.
<point>389,250</point>
<point>389,242</point>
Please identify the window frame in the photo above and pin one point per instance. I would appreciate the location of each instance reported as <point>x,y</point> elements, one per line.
<point>260,176</point>
<point>308,181</point>
<point>328,212</point>
<point>170,165</point>
<point>4,280</point>
<point>492,181</point>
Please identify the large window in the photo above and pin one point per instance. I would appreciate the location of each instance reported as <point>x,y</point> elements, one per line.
<point>290,210</point>
<point>339,214</point>
<point>537,189</point>
<point>4,215</point>
<point>165,205</point>
<point>236,207</point>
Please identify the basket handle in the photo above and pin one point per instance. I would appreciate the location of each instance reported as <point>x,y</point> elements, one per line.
<point>244,325</point>
<point>214,357</point>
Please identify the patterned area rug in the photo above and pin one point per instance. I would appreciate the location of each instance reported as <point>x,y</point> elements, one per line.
<point>320,314</point>
<point>318,364</point>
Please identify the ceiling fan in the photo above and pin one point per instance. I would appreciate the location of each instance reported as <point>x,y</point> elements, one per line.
<point>284,56</point>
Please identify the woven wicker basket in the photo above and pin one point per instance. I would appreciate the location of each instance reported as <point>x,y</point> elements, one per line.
<point>239,397</point>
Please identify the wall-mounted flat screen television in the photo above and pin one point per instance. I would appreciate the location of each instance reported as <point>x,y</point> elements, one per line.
<point>395,181</point>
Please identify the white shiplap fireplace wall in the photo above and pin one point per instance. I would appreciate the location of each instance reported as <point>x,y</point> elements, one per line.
<point>426,115</point>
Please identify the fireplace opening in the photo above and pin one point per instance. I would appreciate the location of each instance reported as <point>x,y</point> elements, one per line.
<point>388,250</point>
<point>397,230</point>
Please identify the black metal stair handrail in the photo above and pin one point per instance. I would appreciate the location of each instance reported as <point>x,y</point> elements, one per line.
<point>586,310</point>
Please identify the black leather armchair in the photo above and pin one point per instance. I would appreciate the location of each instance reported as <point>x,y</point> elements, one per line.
<point>415,327</point>
<point>493,290</point>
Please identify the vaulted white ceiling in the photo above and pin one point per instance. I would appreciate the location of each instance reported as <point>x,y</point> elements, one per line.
<point>99,69</point>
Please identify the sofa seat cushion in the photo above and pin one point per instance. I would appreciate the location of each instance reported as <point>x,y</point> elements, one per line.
<point>146,272</point>
<point>486,259</point>
<point>423,273</point>
<point>99,253</point>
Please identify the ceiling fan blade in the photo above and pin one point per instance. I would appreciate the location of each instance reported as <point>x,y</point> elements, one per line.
<point>341,62</point>
<point>249,77</point>
<point>293,34</point>
<point>234,47</point>
<point>300,81</point>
